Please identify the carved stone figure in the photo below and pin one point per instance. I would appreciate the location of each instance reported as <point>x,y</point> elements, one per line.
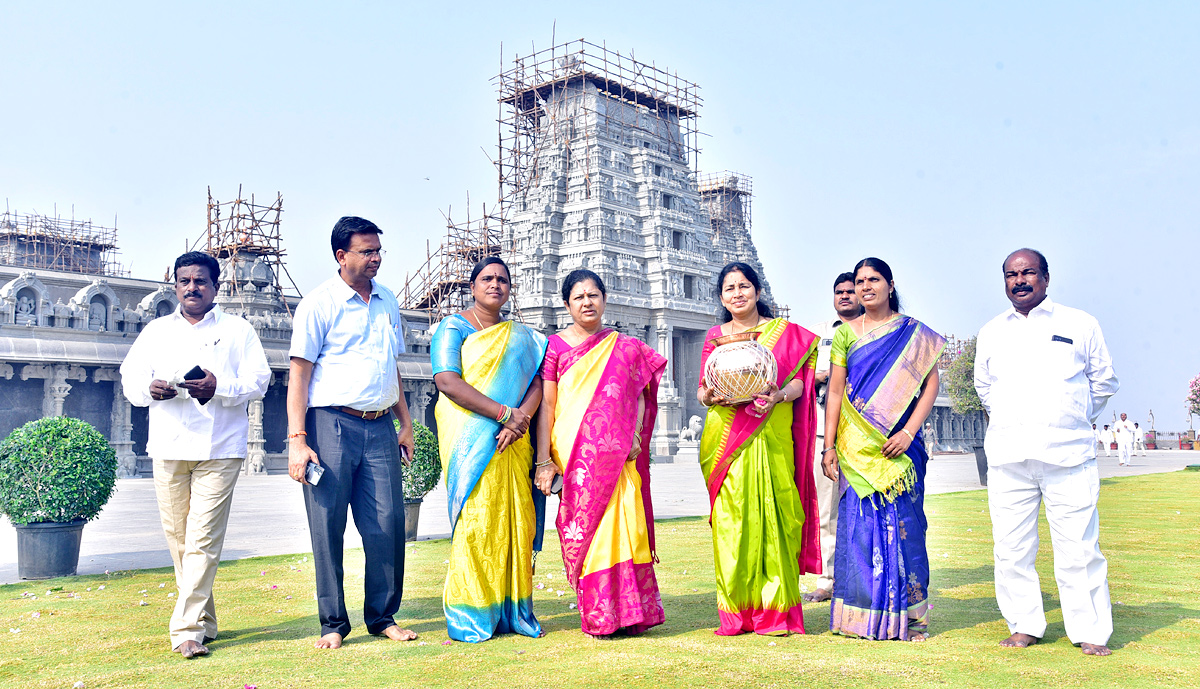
<point>692,432</point>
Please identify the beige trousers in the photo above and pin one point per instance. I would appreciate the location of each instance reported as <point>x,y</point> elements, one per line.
<point>193,502</point>
<point>827,506</point>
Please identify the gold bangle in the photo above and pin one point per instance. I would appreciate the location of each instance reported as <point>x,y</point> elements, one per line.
<point>910,435</point>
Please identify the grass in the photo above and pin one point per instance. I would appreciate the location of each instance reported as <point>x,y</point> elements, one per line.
<point>107,638</point>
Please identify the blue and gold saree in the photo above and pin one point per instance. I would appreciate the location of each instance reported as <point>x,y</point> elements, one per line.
<point>881,585</point>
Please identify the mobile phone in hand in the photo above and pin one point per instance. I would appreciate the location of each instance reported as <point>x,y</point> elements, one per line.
<point>313,473</point>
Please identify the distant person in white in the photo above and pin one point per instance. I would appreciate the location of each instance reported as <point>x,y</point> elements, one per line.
<point>1123,433</point>
<point>1106,439</point>
<point>845,303</point>
<point>1043,373</point>
<point>1139,439</point>
<point>198,431</point>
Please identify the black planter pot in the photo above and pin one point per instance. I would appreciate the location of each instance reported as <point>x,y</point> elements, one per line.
<point>981,464</point>
<point>48,549</point>
<point>412,512</point>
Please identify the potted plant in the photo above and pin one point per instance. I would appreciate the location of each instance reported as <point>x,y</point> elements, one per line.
<point>960,386</point>
<point>56,474</point>
<point>420,476</point>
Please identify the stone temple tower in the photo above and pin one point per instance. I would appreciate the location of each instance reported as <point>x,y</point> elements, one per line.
<point>598,161</point>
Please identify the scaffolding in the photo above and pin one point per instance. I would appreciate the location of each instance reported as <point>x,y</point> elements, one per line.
<point>543,98</point>
<point>441,285</point>
<point>245,233</point>
<point>32,240</point>
<point>727,197</point>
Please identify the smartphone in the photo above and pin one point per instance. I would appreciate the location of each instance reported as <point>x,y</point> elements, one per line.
<point>556,484</point>
<point>313,473</point>
<point>196,373</point>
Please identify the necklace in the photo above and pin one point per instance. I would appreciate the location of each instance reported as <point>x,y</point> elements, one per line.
<point>878,325</point>
<point>477,321</point>
<point>733,323</point>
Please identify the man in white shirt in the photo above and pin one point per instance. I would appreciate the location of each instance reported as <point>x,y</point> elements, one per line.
<point>1139,439</point>
<point>1043,373</point>
<point>1107,440</point>
<point>1123,433</point>
<point>343,391</point>
<point>197,369</point>
<point>845,303</point>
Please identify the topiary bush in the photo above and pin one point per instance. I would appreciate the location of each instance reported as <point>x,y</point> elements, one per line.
<point>423,474</point>
<point>56,469</point>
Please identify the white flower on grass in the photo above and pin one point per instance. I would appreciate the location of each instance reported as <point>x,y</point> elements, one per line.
<point>162,586</point>
<point>142,602</point>
<point>35,615</point>
<point>101,587</point>
<point>15,630</point>
<point>170,595</point>
<point>77,685</point>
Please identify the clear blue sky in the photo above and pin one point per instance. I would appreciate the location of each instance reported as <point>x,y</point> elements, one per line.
<point>934,135</point>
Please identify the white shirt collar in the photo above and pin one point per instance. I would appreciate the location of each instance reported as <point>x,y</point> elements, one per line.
<point>1046,307</point>
<point>213,314</point>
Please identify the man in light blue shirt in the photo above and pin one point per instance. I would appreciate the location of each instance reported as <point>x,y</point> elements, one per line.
<point>344,381</point>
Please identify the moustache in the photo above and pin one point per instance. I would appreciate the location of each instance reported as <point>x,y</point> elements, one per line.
<point>1022,289</point>
<point>191,295</point>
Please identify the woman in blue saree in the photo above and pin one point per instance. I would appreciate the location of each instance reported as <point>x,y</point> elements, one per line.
<point>486,369</point>
<point>882,384</point>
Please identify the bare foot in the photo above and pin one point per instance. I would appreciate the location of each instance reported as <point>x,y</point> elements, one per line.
<point>330,640</point>
<point>191,649</point>
<point>818,596</point>
<point>1095,650</point>
<point>1019,640</point>
<point>395,633</point>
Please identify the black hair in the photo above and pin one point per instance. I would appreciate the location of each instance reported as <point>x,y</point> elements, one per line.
<point>581,275</point>
<point>844,277</point>
<point>490,260</point>
<point>885,270</point>
<point>764,309</point>
<point>199,258</point>
<point>346,227</point>
<point>1042,264</point>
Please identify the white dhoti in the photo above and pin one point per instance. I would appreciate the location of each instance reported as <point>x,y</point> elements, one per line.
<point>1015,492</point>
<point>1139,444</point>
<point>827,507</point>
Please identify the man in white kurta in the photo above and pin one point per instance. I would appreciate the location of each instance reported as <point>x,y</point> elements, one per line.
<point>198,432</point>
<point>1123,434</point>
<point>1106,439</point>
<point>1043,373</point>
<point>1139,439</point>
<point>845,304</point>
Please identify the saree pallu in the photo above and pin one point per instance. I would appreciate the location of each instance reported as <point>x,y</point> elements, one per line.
<point>881,590</point>
<point>763,496</point>
<point>494,520</point>
<point>605,518</point>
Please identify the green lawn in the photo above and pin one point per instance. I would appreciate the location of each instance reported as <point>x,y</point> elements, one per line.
<point>107,638</point>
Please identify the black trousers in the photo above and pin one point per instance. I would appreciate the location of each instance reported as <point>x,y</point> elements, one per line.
<point>362,472</point>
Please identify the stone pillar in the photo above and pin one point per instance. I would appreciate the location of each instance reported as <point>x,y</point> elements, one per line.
<point>666,426</point>
<point>420,402</point>
<point>256,454</point>
<point>56,386</point>
<point>121,434</point>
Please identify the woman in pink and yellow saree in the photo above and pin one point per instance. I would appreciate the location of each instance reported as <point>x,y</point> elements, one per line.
<point>600,391</point>
<point>757,462</point>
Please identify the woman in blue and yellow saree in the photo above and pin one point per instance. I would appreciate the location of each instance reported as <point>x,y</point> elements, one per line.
<point>882,384</point>
<point>486,370</point>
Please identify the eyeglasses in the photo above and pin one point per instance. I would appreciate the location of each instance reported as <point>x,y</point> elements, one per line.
<point>369,253</point>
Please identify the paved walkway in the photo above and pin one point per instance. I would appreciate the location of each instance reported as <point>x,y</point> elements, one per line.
<point>268,512</point>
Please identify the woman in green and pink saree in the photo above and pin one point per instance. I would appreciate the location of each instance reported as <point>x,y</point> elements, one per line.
<point>757,462</point>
